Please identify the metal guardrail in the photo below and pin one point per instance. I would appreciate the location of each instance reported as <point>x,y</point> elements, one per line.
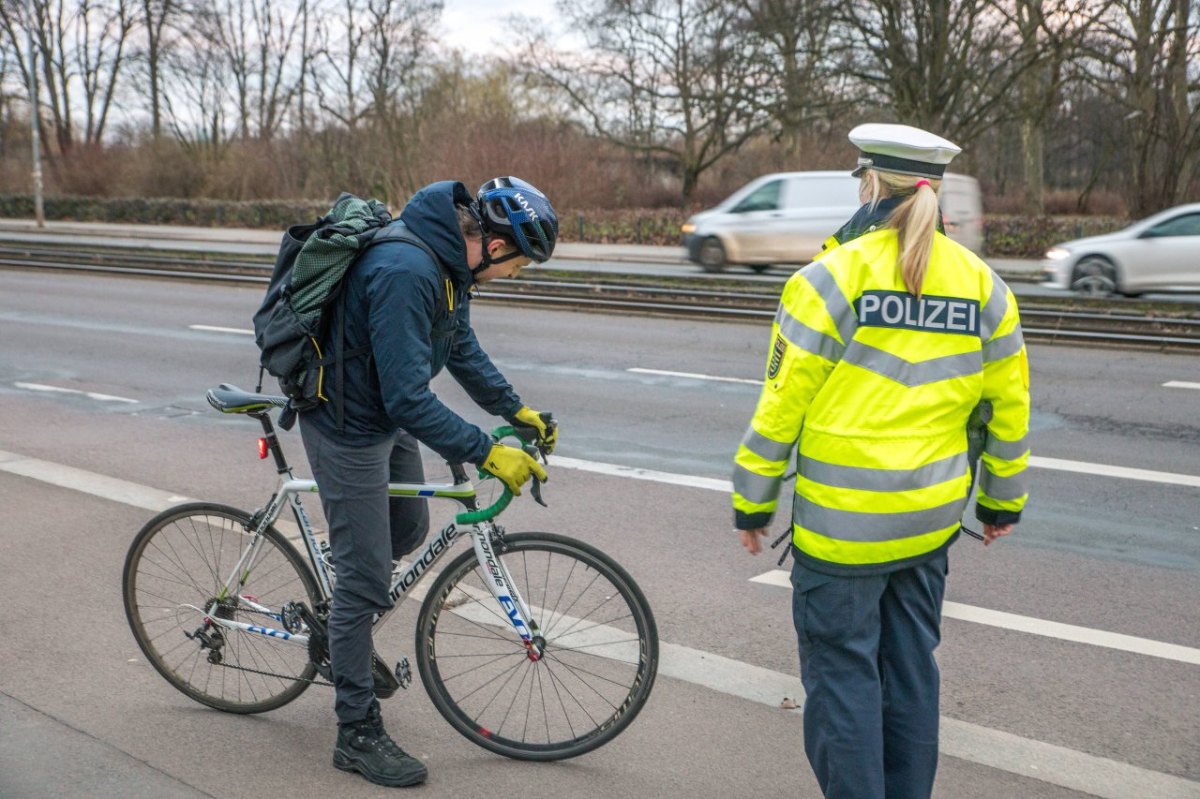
<point>1074,321</point>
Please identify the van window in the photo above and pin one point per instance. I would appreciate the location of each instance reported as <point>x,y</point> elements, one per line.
<point>823,192</point>
<point>764,198</point>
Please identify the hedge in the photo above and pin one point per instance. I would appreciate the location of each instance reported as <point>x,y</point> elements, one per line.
<point>1004,235</point>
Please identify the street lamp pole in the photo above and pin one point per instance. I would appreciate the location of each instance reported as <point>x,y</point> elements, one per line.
<point>39,210</point>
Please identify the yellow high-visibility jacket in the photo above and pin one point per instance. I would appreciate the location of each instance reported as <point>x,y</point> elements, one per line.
<point>875,386</point>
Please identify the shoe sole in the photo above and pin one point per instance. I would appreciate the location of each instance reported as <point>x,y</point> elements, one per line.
<point>346,763</point>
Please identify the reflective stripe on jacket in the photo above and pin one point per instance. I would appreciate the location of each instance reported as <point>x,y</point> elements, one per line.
<point>876,386</point>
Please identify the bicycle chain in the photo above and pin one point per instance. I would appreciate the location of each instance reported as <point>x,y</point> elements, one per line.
<point>311,681</point>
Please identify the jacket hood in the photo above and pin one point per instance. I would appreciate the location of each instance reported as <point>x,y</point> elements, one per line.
<point>431,216</point>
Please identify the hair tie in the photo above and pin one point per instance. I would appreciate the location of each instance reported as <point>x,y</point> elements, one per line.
<point>922,182</point>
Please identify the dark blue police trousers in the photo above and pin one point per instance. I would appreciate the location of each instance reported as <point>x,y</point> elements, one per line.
<point>866,660</point>
<point>367,529</point>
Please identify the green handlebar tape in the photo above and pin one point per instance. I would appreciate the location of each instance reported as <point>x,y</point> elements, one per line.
<point>496,508</point>
<point>488,513</point>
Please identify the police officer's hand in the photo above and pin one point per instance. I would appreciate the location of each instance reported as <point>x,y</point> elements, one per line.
<point>750,539</point>
<point>993,531</point>
<point>541,425</point>
<point>512,466</point>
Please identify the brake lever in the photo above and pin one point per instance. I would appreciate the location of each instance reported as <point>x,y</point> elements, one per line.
<point>532,450</point>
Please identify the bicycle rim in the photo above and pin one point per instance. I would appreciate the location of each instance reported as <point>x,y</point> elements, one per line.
<point>174,571</point>
<point>600,660</point>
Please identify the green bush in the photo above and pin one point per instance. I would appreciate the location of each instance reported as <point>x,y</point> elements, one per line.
<point>1030,237</point>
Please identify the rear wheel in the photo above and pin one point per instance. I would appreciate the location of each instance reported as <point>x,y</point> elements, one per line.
<point>712,255</point>
<point>599,660</point>
<point>1094,276</point>
<point>175,572</point>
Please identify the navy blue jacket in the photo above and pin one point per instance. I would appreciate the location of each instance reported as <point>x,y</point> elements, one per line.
<point>397,302</point>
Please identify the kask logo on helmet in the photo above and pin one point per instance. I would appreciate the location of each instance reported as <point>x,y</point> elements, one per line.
<point>525,204</point>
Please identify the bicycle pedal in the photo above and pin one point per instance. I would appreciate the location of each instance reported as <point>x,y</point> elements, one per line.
<point>403,673</point>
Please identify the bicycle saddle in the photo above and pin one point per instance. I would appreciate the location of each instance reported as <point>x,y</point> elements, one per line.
<point>231,399</point>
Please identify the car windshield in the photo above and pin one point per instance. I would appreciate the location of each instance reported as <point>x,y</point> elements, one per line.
<point>764,198</point>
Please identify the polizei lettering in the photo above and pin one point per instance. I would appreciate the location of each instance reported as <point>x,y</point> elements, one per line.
<point>899,309</point>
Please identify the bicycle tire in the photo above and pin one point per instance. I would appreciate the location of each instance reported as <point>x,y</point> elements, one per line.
<point>175,564</point>
<point>461,624</point>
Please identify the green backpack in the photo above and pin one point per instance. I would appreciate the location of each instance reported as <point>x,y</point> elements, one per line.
<point>291,325</point>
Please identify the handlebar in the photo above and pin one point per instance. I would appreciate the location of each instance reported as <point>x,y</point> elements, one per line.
<point>506,496</point>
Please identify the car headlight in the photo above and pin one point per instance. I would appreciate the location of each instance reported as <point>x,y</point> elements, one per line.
<point>1057,253</point>
<point>688,227</point>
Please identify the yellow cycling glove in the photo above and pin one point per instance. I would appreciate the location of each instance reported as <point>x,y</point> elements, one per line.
<point>543,425</point>
<point>512,466</point>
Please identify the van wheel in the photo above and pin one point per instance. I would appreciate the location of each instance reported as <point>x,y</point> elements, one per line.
<point>1095,276</point>
<point>760,269</point>
<point>712,255</point>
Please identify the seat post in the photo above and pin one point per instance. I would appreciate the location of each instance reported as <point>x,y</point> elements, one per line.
<point>281,464</point>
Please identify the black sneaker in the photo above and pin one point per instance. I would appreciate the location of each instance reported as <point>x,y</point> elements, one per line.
<point>364,746</point>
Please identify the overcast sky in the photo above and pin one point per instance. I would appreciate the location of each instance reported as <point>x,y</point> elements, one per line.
<point>475,26</point>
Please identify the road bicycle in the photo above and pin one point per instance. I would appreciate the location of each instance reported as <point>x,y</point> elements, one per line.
<point>532,645</point>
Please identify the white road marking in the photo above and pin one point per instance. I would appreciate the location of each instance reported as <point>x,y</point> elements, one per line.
<point>716,484</point>
<point>1048,629</point>
<point>1056,765</point>
<point>89,394</point>
<point>215,329</point>
<point>694,376</point>
<point>1104,470</point>
<point>632,472</point>
<point>1180,384</point>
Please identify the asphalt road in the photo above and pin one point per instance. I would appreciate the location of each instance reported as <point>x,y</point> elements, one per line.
<point>1109,557</point>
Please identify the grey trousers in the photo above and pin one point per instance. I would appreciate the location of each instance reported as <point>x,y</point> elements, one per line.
<point>866,660</point>
<point>367,529</point>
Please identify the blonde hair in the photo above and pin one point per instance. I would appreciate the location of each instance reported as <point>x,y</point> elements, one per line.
<point>915,220</point>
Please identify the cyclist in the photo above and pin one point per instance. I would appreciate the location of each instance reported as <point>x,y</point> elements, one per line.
<point>882,350</point>
<point>409,314</point>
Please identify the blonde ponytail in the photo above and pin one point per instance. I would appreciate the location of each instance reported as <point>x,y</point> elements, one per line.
<point>915,221</point>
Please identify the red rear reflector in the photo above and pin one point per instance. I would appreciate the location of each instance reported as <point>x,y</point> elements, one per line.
<point>262,449</point>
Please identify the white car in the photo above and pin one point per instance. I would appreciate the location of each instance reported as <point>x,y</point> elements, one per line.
<point>1158,254</point>
<point>785,218</point>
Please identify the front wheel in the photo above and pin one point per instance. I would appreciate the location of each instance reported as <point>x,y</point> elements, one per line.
<point>175,576</point>
<point>712,255</point>
<point>599,659</point>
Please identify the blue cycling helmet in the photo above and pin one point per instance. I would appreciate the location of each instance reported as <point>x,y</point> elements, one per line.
<point>519,211</point>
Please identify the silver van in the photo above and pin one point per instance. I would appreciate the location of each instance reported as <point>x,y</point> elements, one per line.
<point>785,218</point>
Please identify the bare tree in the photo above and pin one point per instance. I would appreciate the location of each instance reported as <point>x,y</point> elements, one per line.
<point>944,65</point>
<point>157,16</point>
<point>1145,63</point>
<point>102,36</point>
<point>680,79</point>
<point>796,37</point>
<point>1051,33</point>
<point>81,47</point>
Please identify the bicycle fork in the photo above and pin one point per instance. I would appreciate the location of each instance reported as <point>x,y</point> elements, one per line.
<point>504,589</point>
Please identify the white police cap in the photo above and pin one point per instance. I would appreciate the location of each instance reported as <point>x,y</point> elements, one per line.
<point>902,149</point>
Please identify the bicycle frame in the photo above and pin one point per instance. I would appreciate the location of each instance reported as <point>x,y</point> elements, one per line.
<point>478,523</point>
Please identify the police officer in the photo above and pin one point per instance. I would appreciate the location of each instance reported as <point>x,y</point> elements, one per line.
<point>881,349</point>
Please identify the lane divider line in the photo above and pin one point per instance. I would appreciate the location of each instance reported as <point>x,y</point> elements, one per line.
<point>1042,627</point>
<point>214,329</point>
<point>1180,384</point>
<point>694,376</point>
<point>59,390</point>
<point>1056,765</point>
